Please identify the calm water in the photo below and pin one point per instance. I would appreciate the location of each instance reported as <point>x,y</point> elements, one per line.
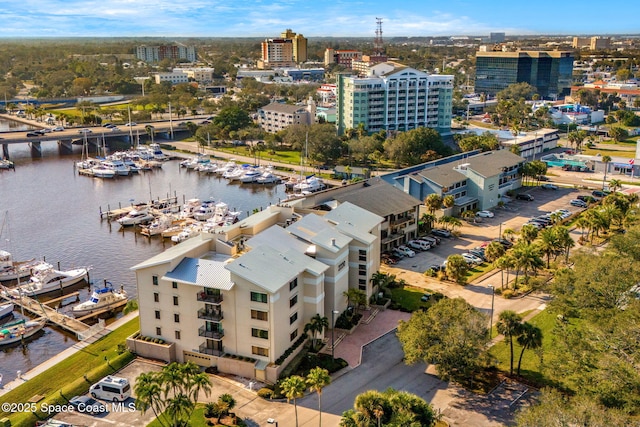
<point>54,213</point>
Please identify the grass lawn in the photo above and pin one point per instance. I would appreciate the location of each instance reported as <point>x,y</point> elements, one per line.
<point>616,153</point>
<point>197,419</point>
<point>67,377</point>
<point>478,270</point>
<point>409,298</point>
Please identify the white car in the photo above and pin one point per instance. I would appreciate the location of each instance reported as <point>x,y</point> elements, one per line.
<point>58,129</point>
<point>85,130</point>
<point>419,244</point>
<point>428,240</point>
<point>131,124</point>
<point>471,259</point>
<point>405,250</point>
<point>484,214</point>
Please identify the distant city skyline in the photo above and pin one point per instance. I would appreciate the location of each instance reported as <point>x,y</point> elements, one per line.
<point>339,18</point>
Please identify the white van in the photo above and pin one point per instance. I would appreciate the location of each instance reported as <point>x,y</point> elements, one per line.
<point>111,388</point>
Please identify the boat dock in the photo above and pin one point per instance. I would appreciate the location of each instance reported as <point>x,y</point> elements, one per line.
<point>75,326</point>
<point>156,207</point>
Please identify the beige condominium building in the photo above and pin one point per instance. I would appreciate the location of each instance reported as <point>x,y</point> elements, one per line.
<point>239,299</point>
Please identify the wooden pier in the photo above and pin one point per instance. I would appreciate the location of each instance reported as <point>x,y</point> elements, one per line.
<point>42,310</point>
<point>155,207</point>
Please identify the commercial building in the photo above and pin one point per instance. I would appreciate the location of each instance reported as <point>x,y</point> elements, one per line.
<point>202,75</point>
<point>286,51</point>
<point>299,43</point>
<point>342,57</point>
<point>275,117</point>
<point>394,97</point>
<point>550,72</point>
<point>240,299</point>
<point>593,43</point>
<point>173,52</point>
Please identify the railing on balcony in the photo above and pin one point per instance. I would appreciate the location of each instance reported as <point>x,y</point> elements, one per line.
<point>216,335</point>
<point>399,221</point>
<point>208,350</point>
<point>391,238</point>
<point>210,298</point>
<point>216,316</point>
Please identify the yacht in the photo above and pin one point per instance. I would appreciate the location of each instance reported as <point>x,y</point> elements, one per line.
<point>101,299</point>
<point>45,279</point>
<point>224,216</point>
<point>251,175</point>
<point>311,184</point>
<point>189,208</point>
<point>11,270</point>
<point>137,215</point>
<point>230,165</point>
<point>206,210</point>
<point>186,233</point>
<point>158,225</point>
<point>268,177</point>
<point>117,166</point>
<point>101,171</point>
<point>157,153</point>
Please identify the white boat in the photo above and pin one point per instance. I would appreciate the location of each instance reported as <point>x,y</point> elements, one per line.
<point>189,208</point>
<point>117,166</point>
<point>206,210</point>
<point>100,171</point>
<point>160,224</point>
<point>137,215</point>
<point>223,216</point>
<point>196,161</point>
<point>6,164</point>
<point>310,184</point>
<point>230,165</point>
<point>186,233</point>
<point>157,152</point>
<point>251,175</point>
<point>11,270</point>
<point>101,299</point>
<point>47,279</point>
<point>268,178</point>
<point>19,330</point>
<point>6,310</point>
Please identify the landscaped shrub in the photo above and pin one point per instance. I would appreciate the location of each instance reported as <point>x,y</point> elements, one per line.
<point>507,293</point>
<point>265,393</point>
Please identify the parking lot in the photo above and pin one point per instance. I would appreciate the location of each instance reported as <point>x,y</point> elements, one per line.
<point>513,215</point>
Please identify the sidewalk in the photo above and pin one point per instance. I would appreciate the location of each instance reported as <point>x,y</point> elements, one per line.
<point>4,388</point>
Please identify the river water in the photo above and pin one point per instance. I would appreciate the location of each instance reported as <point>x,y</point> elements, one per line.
<point>49,211</point>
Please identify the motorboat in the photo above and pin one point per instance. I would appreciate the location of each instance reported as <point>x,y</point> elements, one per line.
<point>117,166</point>
<point>268,177</point>
<point>45,278</point>
<point>157,226</point>
<point>157,152</point>
<point>190,208</point>
<point>251,175</point>
<point>6,310</point>
<point>186,233</point>
<point>6,164</point>
<point>11,270</point>
<point>207,167</point>
<point>137,215</point>
<point>230,165</point>
<point>310,184</point>
<point>196,161</point>
<point>19,330</point>
<point>224,216</point>
<point>205,211</point>
<point>100,171</point>
<point>101,299</point>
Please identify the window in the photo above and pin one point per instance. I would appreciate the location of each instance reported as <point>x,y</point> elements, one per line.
<point>362,255</point>
<point>259,333</point>
<point>293,284</point>
<point>293,318</point>
<point>174,285</point>
<point>258,297</point>
<point>175,300</point>
<point>293,335</point>
<point>159,331</point>
<point>176,317</point>
<point>259,315</point>
<point>293,301</point>
<point>259,351</point>
<point>155,280</point>
<point>157,314</point>
<point>177,333</point>
<point>156,297</point>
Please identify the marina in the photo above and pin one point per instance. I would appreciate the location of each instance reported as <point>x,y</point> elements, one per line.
<point>56,216</point>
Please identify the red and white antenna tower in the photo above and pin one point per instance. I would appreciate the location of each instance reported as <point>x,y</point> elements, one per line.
<point>378,45</point>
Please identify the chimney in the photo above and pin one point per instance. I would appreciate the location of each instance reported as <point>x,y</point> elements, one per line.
<point>333,241</point>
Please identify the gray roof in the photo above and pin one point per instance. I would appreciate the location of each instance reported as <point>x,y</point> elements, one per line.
<point>444,176</point>
<point>201,272</point>
<point>283,108</point>
<point>349,215</point>
<point>278,238</point>
<point>379,197</point>
<point>491,163</point>
<point>271,269</point>
<point>318,231</point>
<point>203,240</point>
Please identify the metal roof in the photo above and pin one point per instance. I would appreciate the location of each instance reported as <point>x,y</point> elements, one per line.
<point>317,230</point>
<point>201,272</point>
<point>279,238</point>
<point>174,252</point>
<point>443,176</point>
<point>491,163</point>
<point>379,197</point>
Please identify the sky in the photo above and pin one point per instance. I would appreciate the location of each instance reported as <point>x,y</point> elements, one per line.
<point>319,18</point>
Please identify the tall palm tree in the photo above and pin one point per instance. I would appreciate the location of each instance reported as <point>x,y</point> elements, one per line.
<point>433,202</point>
<point>293,388</point>
<point>606,159</point>
<point>530,337</point>
<point>179,409</point>
<point>505,262</point>
<point>149,395</point>
<point>549,243</point>
<point>316,326</point>
<point>614,184</point>
<point>509,324</point>
<point>317,379</point>
<point>528,233</point>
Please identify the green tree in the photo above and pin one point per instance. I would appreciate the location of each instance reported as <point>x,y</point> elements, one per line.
<point>509,324</point>
<point>527,258</point>
<point>317,379</point>
<point>517,91</point>
<point>528,233</point>
<point>415,146</point>
<point>389,408</point>
<point>433,202</point>
<point>605,160</point>
<point>493,251</point>
<point>293,388</point>
<point>618,133</point>
<point>530,338</point>
<point>457,268</point>
<point>505,262</point>
<point>451,335</point>
<point>316,326</point>
<point>232,118</point>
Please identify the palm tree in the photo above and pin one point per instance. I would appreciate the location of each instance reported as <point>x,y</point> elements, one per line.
<point>527,258</point>
<point>448,201</point>
<point>316,326</point>
<point>317,379</point>
<point>529,232</point>
<point>549,243</point>
<point>530,337</point>
<point>428,220</point>
<point>508,233</point>
<point>149,395</point>
<point>565,240</point>
<point>505,262</point>
<point>371,405</point>
<point>179,409</point>
<point>225,404</point>
<point>433,202</point>
<point>606,159</point>
<point>355,298</point>
<point>293,387</point>
<point>509,324</point>
<point>614,184</point>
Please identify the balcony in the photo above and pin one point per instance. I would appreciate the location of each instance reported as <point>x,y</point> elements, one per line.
<point>399,221</point>
<point>208,350</point>
<point>216,316</point>
<point>215,335</point>
<point>210,298</point>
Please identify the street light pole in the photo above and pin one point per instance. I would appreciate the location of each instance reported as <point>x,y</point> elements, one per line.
<point>170,123</point>
<point>491,317</point>
<point>333,326</point>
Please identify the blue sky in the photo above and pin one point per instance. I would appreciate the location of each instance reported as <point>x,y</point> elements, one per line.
<point>267,18</point>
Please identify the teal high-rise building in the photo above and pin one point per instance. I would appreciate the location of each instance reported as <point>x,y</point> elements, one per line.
<point>394,97</point>
<point>550,72</point>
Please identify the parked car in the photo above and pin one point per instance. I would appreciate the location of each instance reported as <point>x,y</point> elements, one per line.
<point>504,242</point>
<point>599,194</point>
<point>471,259</point>
<point>425,297</point>
<point>390,259</point>
<point>441,232</point>
<point>484,214</point>
<point>578,203</point>
<point>549,187</point>
<point>525,196</point>
<point>436,267</point>
<point>543,178</point>
<point>419,245</point>
<point>479,252</point>
<point>398,253</point>
<point>405,250</point>
<point>428,240</point>
<point>87,405</point>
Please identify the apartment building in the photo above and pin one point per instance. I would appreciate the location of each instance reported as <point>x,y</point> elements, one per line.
<point>342,57</point>
<point>239,299</point>
<point>550,72</point>
<point>299,43</point>
<point>275,117</point>
<point>158,53</point>
<point>286,51</point>
<point>394,98</point>
<point>175,77</point>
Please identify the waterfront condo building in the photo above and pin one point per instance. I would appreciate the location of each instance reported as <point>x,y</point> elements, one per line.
<point>237,300</point>
<point>550,72</point>
<point>394,97</point>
